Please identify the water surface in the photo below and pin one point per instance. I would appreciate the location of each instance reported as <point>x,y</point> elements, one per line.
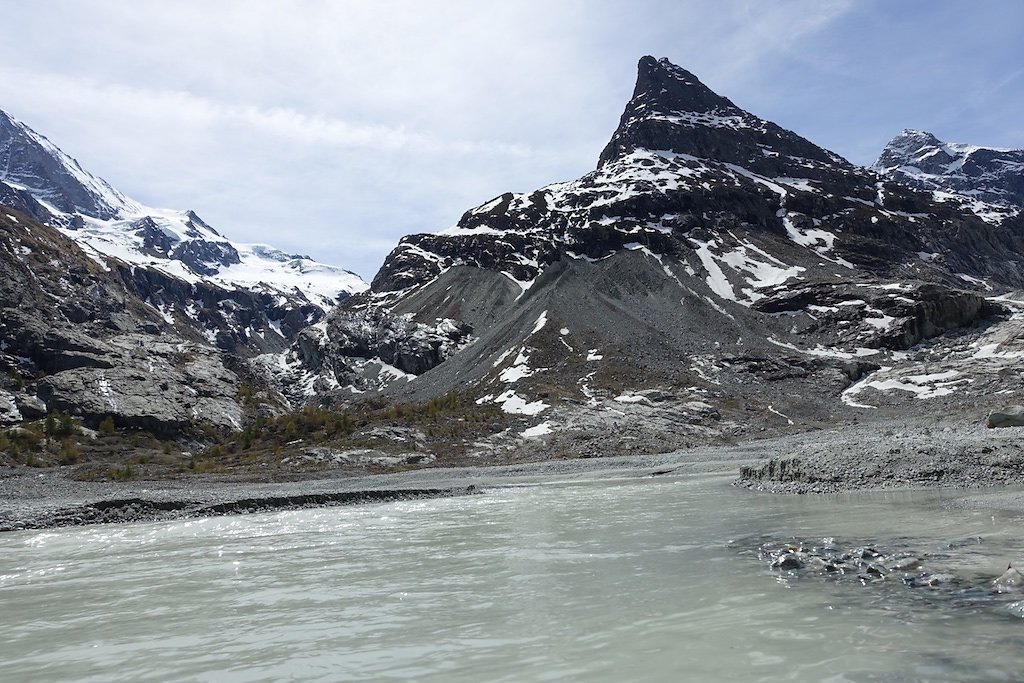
<point>626,580</point>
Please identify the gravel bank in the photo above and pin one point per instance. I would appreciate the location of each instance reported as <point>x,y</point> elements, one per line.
<point>867,456</point>
<point>890,455</point>
<point>33,498</point>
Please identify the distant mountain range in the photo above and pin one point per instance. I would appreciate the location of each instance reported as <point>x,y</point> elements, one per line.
<point>715,277</point>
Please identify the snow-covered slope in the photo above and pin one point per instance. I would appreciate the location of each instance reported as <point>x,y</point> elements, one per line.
<point>107,223</point>
<point>986,180</point>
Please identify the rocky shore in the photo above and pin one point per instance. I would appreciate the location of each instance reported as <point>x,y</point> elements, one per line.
<point>890,455</point>
<point>882,455</point>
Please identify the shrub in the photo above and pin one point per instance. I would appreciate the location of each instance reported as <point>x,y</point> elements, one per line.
<point>107,426</point>
<point>69,453</point>
<point>123,473</point>
<point>60,425</point>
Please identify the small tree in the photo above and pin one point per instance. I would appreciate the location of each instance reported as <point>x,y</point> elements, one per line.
<point>107,426</point>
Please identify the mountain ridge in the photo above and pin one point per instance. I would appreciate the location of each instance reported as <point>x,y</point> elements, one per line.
<point>988,181</point>
<point>700,296</point>
<point>110,224</point>
<point>716,277</point>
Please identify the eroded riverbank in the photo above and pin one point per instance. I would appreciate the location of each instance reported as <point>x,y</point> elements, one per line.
<point>856,457</point>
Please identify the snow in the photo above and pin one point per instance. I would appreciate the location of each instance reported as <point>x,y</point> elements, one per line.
<point>515,373</point>
<point>922,386</point>
<point>514,404</point>
<point>122,234</point>
<point>593,355</point>
<point>715,279</point>
<point>542,429</point>
<point>541,322</point>
<point>991,351</point>
<point>785,417</point>
<point>974,281</point>
<point>502,357</point>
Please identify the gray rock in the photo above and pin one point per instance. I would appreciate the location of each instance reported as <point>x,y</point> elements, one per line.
<point>905,564</point>
<point>1011,581</point>
<point>787,561</point>
<point>9,413</point>
<point>1008,417</point>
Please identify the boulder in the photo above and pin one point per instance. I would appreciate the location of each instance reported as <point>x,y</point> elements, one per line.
<point>1008,417</point>
<point>1010,581</point>
<point>9,413</point>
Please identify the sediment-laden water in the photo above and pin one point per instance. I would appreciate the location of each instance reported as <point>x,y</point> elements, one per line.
<point>628,580</point>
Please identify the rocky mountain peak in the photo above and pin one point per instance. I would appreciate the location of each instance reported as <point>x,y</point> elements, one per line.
<point>987,180</point>
<point>663,86</point>
<point>29,161</point>
<point>673,111</point>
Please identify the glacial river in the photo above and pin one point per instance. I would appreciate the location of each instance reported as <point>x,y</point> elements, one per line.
<point>652,579</point>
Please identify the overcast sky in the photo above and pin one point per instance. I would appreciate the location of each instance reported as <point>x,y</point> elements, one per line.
<point>334,128</point>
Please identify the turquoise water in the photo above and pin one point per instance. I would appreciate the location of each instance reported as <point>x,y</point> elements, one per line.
<point>629,580</point>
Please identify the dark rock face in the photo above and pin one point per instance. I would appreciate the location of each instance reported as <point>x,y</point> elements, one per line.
<point>247,318</point>
<point>686,164</point>
<point>397,340</point>
<point>1008,417</point>
<point>23,201</point>
<point>672,110</point>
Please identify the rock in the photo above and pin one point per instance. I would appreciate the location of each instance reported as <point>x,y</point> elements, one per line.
<point>905,564</point>
<point>787,561</point>
<point>9,413</point>
<point>934,580</point>
<point>1011,581</point>
<point>1009,417</point>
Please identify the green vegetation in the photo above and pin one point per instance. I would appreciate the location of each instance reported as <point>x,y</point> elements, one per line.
<point>59,425</point>
<point>121,473</point>
<point>69,453</point>
<point>107,426</point>
<point>451,419</point>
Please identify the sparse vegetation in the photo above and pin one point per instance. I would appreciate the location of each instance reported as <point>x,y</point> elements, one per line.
<point>58,425</point>
<point>69,453</point>
<point>121,473</point>
<point>107,426</point>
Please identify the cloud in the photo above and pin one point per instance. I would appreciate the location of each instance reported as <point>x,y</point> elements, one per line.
<point>336,127</point>
<point>176,108</point>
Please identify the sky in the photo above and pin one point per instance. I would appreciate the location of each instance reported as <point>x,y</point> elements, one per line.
<point>333,128</point>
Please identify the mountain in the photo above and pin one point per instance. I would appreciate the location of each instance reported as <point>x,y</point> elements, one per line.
<point>112,309</point>
<point>716,276</point>
<point>40,179</point>
<point>986,180</point>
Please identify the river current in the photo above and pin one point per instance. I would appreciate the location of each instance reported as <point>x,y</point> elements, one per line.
<point>652,579</point>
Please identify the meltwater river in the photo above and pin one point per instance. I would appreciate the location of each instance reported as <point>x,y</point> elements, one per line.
<point>614,580</point>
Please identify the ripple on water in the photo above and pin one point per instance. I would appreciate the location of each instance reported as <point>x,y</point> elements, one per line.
<point>596,582</point>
